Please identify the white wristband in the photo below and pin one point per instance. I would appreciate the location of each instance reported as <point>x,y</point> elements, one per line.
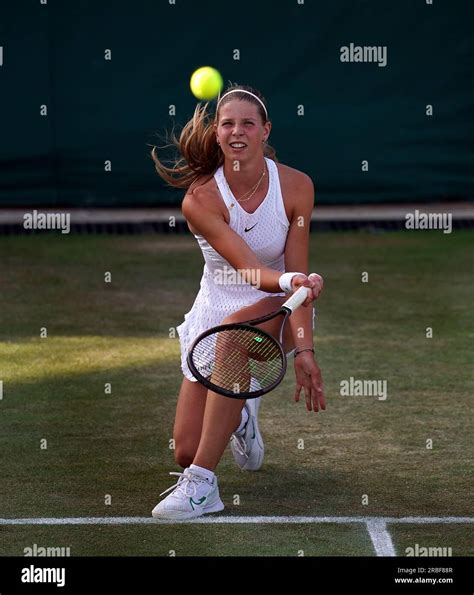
<point>285,281</point>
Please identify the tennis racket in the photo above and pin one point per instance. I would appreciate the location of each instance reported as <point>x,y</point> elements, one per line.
<point>240,360</point>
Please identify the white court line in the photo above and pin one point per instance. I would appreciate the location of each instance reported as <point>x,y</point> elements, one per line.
<point>380,537</point>
<point>216,520</point>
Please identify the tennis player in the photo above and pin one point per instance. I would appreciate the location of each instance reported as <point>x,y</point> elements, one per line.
<point>250,215</point>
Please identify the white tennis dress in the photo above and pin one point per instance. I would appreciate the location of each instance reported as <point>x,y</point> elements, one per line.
<point>222,292</point>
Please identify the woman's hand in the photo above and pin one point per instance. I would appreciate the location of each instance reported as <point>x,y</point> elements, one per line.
<point>308,377</point>
<point>315,282</point>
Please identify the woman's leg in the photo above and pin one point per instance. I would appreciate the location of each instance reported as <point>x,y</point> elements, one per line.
<point>193,494</point>
<point>222,414</point>
<point>188,421</point>
<point>221,418</point>
<point>203,426</point>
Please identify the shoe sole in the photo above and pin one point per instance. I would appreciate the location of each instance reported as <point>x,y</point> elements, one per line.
<point>216,507</point>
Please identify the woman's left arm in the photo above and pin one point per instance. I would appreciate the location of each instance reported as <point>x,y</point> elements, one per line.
<point>308,374</point>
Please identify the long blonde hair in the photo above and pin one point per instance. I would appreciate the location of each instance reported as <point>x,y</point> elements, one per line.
<point>199,153</point>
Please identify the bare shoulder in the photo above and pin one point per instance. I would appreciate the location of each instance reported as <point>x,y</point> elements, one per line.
<point>202,199</point>
<point>297,188</point>
<point>201,183</point>
<point>291,177</point>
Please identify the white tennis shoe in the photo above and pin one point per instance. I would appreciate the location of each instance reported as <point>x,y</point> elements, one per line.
<point>247,446</point>
<point>192,496</point>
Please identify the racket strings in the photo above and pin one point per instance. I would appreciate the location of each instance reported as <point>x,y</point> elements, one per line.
<point>230,358</point>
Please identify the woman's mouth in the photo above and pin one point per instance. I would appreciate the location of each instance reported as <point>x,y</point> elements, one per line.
<point>237,146</point>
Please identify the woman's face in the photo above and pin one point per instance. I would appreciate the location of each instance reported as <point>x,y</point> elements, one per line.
<point>240,124</point>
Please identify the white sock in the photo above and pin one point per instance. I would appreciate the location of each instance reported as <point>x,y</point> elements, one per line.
<point>209,475</point>
<point>254,384</point>
<point>244,417</point>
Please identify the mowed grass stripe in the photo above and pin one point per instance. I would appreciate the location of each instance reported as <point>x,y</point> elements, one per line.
<point>191,539</point>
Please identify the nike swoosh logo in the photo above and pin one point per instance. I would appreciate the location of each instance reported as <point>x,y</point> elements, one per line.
<point>191,501</point>
<point>245,229</point>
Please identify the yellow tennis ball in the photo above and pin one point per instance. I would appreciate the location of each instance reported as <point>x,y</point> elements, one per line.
<point>206,83</point>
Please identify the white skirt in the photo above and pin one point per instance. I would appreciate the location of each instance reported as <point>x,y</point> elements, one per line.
<point>212,305</point>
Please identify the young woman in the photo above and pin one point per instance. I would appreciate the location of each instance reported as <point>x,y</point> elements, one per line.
<point>249,214</point>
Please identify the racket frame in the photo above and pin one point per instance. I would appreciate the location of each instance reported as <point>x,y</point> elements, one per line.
<point>246,325</point>
<point>286,309</point>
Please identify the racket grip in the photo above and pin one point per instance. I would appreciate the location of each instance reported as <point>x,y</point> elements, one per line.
<point>295,300</point>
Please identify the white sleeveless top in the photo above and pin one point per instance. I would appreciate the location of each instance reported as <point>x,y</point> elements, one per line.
<point>222,292</point>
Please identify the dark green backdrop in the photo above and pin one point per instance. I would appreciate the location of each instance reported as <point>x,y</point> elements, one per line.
<point>53,54</point>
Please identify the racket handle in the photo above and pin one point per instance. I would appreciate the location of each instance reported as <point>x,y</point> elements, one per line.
<point>296,299</point>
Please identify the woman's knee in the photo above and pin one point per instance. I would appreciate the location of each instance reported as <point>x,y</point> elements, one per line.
<point>184,455</point>
<point>232,318</point>
<point>260,308</point>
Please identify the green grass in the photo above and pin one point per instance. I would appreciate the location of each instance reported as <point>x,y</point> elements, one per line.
<point>194,540</point>
<point>460,538</point>
<point>116,444</point>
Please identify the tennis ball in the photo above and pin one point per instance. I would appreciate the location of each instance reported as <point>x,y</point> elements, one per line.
<point>206,83</point>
